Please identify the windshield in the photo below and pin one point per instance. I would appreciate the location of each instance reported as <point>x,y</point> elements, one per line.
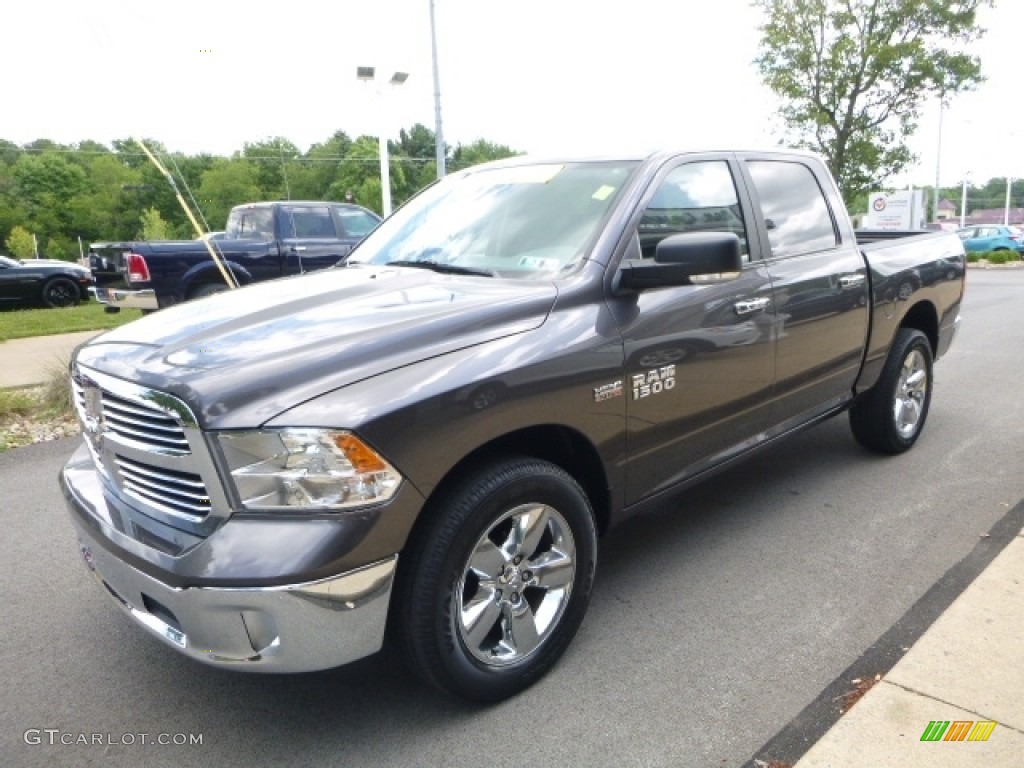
<point>524,221</point>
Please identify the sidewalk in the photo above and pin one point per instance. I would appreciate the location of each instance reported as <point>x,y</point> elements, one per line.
<point>25,362</point>
<point>968,667</point>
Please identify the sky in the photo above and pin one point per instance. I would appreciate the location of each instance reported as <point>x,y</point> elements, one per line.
<point>541,76</point>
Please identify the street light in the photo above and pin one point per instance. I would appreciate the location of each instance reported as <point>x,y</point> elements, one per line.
<point>368,74</point>
<point>439,150</point>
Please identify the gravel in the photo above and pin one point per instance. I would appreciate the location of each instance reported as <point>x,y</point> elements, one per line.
<point>39,426</point>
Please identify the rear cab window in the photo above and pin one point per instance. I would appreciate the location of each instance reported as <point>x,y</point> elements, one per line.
<point>250,223</point>
<point>796,214</point>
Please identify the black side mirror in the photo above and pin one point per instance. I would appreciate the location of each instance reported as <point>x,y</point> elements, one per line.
<point>678,258</point>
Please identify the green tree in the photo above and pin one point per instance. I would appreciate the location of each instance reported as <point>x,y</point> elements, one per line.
<point>227,184</point>
<point>153,225</point>
<point>480,151</point>
<point>359,173</point>
<point>419,146</point>
<point>45,183</point>
<point>21,244</point>
<point>323,162</point>
<point>108,209</point>
<point>853,75</point>
<point>273,158</point>
<point>61,248</point>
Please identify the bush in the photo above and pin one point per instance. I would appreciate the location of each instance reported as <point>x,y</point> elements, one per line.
<point>972,257</point>
<point>998,257</point>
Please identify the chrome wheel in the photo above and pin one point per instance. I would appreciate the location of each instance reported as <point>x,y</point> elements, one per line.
<point>891,415</point>
<point>516,584</point>
<point>911,391</point>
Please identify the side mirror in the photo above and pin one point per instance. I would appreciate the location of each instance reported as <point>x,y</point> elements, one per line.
<point>678,258</point>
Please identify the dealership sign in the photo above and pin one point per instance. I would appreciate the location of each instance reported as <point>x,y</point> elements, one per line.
<point>896,210</point>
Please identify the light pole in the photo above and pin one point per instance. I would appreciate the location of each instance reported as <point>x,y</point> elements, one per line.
<point>963,203</point>
<point>438,134</point>
<point>368,74</point>
<point>938,161</point>
<point>1006,211</point>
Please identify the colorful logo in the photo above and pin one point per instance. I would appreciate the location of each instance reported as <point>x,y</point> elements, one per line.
<point>958,730</point>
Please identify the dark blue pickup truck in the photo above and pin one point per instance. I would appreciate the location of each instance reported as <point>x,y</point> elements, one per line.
<point>262,241</point>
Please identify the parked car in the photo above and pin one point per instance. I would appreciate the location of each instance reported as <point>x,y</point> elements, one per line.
<point>261,241</point>
<point>430,438</point>
<point>45,282</point>
<point>992,237</point>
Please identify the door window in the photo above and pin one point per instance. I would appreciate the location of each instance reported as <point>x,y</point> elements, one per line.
<point>795,212</point>
<point>312,222</point>
<point>356,223</point>
<point>696,197</point>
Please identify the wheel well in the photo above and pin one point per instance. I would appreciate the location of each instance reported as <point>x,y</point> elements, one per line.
<point>922,317</point>
<point>557,444</point>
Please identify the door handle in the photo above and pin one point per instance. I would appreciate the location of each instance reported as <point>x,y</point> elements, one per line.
<point>851,281</point>
<point>750,306</point>
<point>298,248</point>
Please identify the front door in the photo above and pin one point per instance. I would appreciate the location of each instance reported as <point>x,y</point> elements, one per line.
<point>699,358</point>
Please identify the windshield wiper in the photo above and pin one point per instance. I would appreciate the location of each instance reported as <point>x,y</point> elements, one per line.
<point>438,266</point>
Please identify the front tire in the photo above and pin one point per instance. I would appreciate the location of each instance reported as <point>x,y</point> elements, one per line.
<point>61,292</point>
<point>890,417</point>
<point>494,588</point>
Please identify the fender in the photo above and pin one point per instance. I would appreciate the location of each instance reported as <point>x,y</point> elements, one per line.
<point>206,271</point>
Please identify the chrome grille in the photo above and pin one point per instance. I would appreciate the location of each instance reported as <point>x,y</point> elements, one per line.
<point>181,493</point>
<point>147,426</point>
<point>151,453</point>
<point>143,424</point>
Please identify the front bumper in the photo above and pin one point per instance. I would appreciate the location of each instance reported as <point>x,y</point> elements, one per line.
<point>294,627</point>
<point>121,297</point>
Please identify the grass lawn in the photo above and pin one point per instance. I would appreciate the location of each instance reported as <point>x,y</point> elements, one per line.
<point>23,323</point>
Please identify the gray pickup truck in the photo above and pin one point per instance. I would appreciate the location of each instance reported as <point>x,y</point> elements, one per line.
<point>424,445</point>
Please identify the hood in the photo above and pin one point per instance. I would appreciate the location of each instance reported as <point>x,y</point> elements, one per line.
<point>241,357</point>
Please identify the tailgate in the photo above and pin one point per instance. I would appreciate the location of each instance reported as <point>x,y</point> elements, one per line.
<point>108,264</point>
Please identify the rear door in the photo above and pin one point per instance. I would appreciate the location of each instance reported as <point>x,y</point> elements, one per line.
<point>819,285</point>
<point>699,358</point>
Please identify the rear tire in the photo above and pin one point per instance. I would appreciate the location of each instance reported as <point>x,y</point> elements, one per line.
<point>61,292</point>
<point>206,289</point>
<point>492,591</point>
<point>889,418</point>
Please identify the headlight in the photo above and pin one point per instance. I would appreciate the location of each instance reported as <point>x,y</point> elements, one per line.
<point>306,470</point>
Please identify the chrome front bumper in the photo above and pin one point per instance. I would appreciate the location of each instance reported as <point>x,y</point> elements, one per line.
<point>298,627</point>
<point>293,628</point>
<point>120,297</point>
